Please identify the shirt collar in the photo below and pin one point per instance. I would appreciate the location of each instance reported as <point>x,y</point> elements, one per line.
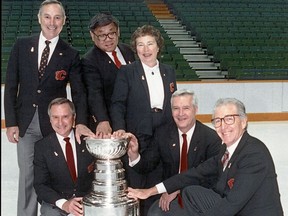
<point>189,133</point>
<point>151,69</point>
<point>233,147</point>
<point>61,138</point>
<point>117,51</point>
<point>53,41</point>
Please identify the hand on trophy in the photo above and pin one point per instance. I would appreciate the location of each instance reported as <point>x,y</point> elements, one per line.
<point>83,130</point>
<point>133,146</point>
<point>119,134</point>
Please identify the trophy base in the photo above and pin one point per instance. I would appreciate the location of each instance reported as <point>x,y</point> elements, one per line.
<point>122,206</point>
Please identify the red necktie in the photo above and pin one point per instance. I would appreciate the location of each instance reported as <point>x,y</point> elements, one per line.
<point>70,159</point>
<point>44,59</point>
<point>116,60</point>
<point>183,163</point>
<point>225,159</point>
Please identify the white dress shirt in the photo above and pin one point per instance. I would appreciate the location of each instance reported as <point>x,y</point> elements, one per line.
<point>42,45</point>
<point>155,85</point>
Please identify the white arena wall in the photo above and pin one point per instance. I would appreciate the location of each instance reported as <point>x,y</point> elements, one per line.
<point>258,96</point>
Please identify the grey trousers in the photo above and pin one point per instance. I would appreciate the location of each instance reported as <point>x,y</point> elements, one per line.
<point>27,200</point>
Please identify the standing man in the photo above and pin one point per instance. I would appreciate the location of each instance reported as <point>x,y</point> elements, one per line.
<point>100,66</point>
<point>60,187</point>
<point>38,71</point>
<point>247,182</point>
<point>202,143</point>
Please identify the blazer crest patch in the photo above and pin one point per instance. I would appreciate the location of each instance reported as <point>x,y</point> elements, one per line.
<point>90,167</point>
<point>230,183</point>
<point>172,87</point>
<point>60,75</point>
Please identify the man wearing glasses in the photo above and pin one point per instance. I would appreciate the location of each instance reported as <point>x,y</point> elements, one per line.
<point>247,183</point>
<point>100,65</point>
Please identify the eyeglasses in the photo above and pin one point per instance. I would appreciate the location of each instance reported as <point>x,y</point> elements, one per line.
<point>103,37</point>
<point>228,119</point>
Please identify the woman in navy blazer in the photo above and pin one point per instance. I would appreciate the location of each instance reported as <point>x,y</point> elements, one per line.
<point>133,100</point>
<point>141,96</point>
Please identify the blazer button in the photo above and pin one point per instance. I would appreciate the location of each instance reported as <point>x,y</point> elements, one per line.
<point>38,91</point>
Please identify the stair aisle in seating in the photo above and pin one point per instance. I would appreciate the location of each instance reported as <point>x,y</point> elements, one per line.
<point>201,66</point>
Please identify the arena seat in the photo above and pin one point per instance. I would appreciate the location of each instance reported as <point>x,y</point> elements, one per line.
<point>239,35</point>
<point>19,18</point>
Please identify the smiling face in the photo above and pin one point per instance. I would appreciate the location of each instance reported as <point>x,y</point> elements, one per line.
<point>184,112</point>
<point>51,19</point>
<point>62,119</point>
<point>109,44</point>
<point>230,133</point>
<point>147,50</point>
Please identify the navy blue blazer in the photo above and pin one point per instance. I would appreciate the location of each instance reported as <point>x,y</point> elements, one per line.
<point>24,91</point>
<point>204,144</point>
<point>99,73</point>
<point>52,179</point>
<point>248,186</point>
<point>131,109</point>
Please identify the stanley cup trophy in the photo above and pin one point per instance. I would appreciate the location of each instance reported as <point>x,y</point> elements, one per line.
<point>108,196</point>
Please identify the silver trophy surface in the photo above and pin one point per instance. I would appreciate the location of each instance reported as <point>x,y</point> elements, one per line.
<point>108,196</point>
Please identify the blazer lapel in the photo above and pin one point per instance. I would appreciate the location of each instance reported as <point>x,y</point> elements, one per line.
<point>174,144</point>
<point>194,143</point>
<point>123,51</point>
<point>237,150</point>
<point>58,152</point>
<point>165,85</point>
<point>33,57</point>
<point>142,77</point>
<point>81,150</point>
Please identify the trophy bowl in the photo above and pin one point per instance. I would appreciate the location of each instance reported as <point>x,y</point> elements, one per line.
<point>107,148</point>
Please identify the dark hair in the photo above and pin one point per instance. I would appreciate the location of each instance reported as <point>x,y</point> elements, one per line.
<point>147,30</point>
<point>102,19</point>
<point>47,2</point>
<point>59,101</point>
